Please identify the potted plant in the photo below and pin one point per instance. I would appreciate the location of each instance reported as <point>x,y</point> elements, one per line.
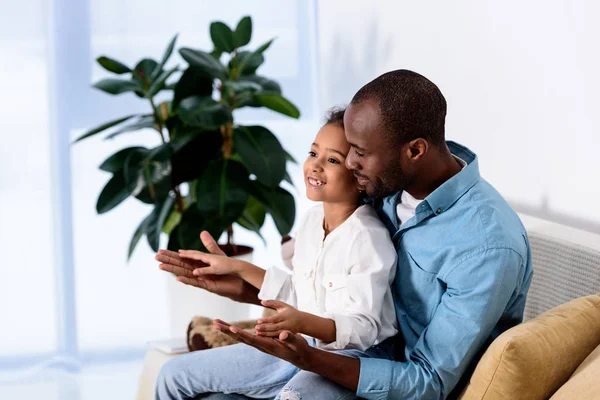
<point>206,172</point>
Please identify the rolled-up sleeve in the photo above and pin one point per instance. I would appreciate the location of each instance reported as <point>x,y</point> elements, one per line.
<point>479,289</point>
<point>367,306</point>
<point>278,285</point>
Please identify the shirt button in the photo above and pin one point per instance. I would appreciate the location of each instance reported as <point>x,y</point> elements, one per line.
<point>330,284</point>
<point>438,211</point>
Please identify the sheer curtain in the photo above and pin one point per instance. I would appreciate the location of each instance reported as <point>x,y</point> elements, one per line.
<point>27,296</point>
<point>65,285</point>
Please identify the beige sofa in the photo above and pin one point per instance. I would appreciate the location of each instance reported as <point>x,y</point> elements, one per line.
<point>555,353</point>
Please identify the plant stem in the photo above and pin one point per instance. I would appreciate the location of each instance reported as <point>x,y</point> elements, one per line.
<point>179,199</point>
<point>159,126</point>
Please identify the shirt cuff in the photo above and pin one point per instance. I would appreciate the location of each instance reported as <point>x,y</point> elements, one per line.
<point>273,282</point>
<point>343,331</point>
<point>375,378</point>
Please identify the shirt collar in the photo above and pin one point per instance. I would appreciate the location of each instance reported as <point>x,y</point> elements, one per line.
<point>450,191</point>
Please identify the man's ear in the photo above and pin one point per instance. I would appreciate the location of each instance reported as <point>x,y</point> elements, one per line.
<point>416,149</point>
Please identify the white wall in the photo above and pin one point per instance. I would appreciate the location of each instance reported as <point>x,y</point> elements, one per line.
<point>521,80</point>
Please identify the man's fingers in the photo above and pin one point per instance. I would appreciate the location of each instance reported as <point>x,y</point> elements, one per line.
<point>193,282</point>
<point>195,255</point>
<point>221,322</point>
<point>289,340</point>
<point>274,334</point>
<point>179,271</point>
<point>211,245</point>
<point>169,257</point>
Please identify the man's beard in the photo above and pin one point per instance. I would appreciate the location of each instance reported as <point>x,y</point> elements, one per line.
<point>392,182</point>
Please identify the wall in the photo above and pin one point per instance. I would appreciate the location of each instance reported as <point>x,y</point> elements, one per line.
<point>521,80</point>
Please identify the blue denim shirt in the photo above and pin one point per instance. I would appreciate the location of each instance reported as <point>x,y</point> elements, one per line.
<point>464,269</point>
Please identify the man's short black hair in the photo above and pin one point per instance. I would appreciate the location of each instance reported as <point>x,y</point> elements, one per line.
<point>411,106</point>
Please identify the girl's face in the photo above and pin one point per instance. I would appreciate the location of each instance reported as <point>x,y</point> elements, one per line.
<point>325,175</point>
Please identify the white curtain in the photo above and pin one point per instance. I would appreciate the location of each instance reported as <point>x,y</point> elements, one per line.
<point>65,285</point>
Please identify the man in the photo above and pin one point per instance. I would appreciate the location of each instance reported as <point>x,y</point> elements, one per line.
<point>464,262</point>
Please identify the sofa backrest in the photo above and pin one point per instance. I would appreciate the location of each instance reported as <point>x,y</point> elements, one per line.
<point>566,265</point>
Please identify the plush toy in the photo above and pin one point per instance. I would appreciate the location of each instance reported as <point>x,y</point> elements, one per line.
<point>201,334</point>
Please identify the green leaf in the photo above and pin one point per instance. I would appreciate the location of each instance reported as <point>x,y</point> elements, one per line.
<point>117,86</point>
<point>261,152</point>
<point>248,62</point>
<point>268,85</point>
<point>223,190</point>
<point>254,58</point>
<point>153,175</point>
<point>288,178</point>
<point>222,36</point>
<point>279,203</point>
<point>146,122</point>
<point>103,127</point>
<point>156,221</point>
<point>137,235</point>
<point>112,65</point>
<point>253,216</point>
<point>143,73</point>
<point>242,86</point>
<point>244,99</point>
<point>216,54</point>
<point>187,164</point>
<point>115,162</point>
<point>204,112</point>
<point>290,158</point>
<point>193,82</point>
<point>277,103</point>
<point>113,194</point>
<point>174,244</point>
<point>204,62</point>
<point>192,223</point>
<point>165,58</point>
<point>172,221</point>
<point>159,83</point>
<point>243,32</point>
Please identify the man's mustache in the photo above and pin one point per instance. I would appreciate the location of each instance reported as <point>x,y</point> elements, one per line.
<point>358,175</point>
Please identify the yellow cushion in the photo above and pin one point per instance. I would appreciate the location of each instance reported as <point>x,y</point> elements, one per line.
<point>584,384</point>
<point>534,359</point>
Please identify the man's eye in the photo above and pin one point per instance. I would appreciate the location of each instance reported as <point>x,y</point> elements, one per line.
<point>358,154</point>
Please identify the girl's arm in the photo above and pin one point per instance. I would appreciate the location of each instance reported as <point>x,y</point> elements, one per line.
<point>289,318</point>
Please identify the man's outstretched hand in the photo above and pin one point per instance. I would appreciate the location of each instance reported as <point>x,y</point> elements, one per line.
<point>231,286</point>
<point>288,346</point>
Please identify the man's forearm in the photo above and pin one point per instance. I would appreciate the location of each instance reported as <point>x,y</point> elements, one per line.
<point>335,367</point>
<point>249,295</point>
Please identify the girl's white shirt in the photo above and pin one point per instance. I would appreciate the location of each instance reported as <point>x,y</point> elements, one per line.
<point>345,276</point>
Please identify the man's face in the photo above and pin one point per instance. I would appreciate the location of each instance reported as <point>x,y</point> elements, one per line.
<point>376,164</point>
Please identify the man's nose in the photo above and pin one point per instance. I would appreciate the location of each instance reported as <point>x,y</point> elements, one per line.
<point>351,162</point>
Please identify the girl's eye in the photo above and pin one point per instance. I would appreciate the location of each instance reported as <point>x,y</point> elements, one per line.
<point>333,161</point>
<point>358,154</point>
<point>312,153</point>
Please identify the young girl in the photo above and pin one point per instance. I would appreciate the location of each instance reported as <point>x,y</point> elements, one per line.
<point>338,296</point>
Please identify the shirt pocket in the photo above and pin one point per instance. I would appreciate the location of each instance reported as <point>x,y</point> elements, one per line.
<point>336,291</point>
<point>419,290</point>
